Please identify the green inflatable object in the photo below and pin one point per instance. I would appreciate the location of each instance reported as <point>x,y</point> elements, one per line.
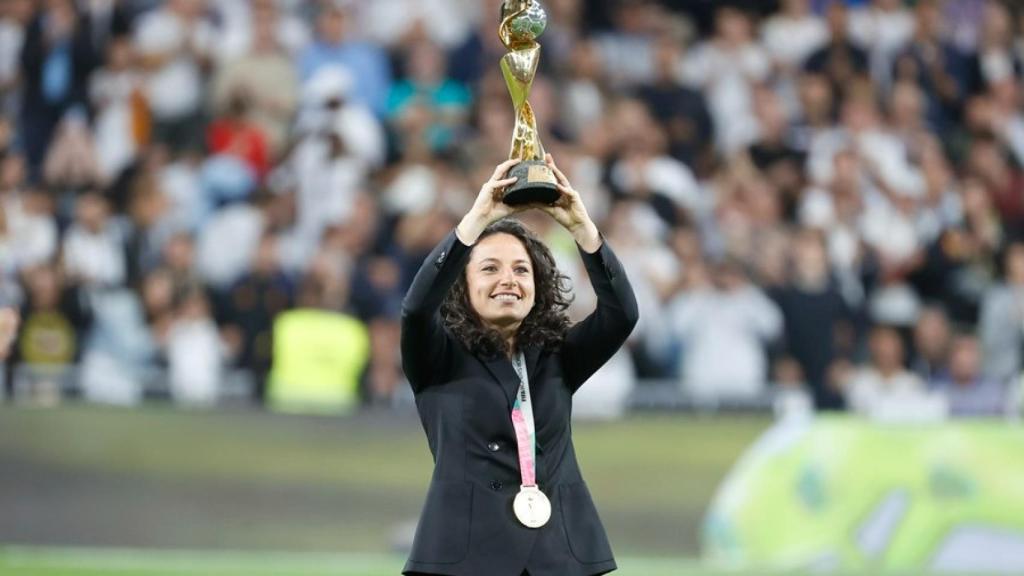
<point>841,493</point>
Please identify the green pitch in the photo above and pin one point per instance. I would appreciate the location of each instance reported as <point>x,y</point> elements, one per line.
<point>241,480</point>
<point>80,562</point>
<point>89,562</point>
<point>86,491</point>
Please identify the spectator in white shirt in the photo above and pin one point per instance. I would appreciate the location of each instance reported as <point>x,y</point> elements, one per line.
<point>328,107</point>
<point>724,326</point>
<point>343,141</point>
<point>195,352</point>
<point>884,28</point>
<point>240,21</point>
<point>115,93</point>
<point>793,34</point>
<point>28,229</point>
<point>725,68</point>
<point>94,250</point>
<point>885,157</point>
<point>175,43</point>
<point>885,389</point>
<point>445,22</point>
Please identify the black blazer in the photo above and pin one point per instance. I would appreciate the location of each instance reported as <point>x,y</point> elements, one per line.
<point>467,527</point>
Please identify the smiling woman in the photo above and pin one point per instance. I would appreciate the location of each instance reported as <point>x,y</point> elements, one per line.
<point>511,293</point>
<point>500,278</point>
<point>493,362</point>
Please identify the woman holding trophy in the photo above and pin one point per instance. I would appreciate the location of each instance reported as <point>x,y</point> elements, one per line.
<point>493,362</point>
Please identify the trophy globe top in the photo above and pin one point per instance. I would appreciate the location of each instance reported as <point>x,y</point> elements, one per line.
<point>527,26</point>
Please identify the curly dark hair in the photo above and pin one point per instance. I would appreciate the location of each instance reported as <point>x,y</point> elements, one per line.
<point>544,326</point>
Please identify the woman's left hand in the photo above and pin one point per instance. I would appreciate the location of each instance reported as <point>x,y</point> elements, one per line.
<point>570,212</point>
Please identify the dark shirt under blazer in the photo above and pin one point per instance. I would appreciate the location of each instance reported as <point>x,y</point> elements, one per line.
<point>467,527</point>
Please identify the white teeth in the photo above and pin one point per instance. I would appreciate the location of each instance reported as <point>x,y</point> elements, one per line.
<point>506,297</point>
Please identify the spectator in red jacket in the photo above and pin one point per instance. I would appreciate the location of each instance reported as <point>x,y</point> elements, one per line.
<point>234,134</point>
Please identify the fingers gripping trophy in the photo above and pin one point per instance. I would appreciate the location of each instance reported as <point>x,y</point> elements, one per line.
<point>522,21</point>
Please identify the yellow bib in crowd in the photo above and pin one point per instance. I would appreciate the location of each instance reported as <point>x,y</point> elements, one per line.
<point>319,356</point>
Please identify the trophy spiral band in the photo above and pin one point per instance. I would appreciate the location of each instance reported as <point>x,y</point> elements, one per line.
<point>522,21</point>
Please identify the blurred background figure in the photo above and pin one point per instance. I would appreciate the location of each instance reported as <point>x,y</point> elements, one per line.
<point>932,339</point>
<point>336,44</point>
<point>426,104</point>
<point>968,390</point>
<point>175,47</point>
<point>121,124</point>
<point>725,324</point>
<point>29,226</point>
<point>841,61</point>
<point>814,315</point>
<point>255,300</point>
<point>195,353</point>
<point>883,27</point>
<point>14,19</point>
<point>792,34</point>
<point>726,68</point>
<point>319,351</point>
<point>263,75</point>
<point>9,320</point>
<point>1002,318</point>
<point>884,389</point>
<point>55,320</point>
<point>93,249</point>
<point>57,58</point>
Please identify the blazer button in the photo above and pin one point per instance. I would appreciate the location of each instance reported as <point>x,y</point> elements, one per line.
<point>494,446</point>
<point>440,258</point>
<point>495,485</point>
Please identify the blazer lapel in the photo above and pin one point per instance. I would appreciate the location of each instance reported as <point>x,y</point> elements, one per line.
<point>532,358</point>
<point>502,370</point>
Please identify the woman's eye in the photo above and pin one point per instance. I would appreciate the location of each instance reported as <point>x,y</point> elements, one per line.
<point>490,268</point>
<point>522,270</point>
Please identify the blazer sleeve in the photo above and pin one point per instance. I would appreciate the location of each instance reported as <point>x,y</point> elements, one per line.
<point>425,343</point>
<point>592,342</point>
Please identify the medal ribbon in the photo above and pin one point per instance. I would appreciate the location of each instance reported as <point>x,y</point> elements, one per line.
<point>522,421</point>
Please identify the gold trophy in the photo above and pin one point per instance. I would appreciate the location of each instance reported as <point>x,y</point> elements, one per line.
<point>522,21</point>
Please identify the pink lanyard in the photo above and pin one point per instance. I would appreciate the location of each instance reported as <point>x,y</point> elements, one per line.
<point>522,421</point>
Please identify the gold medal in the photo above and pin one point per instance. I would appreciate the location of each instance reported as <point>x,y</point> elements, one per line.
<point>532,507</point>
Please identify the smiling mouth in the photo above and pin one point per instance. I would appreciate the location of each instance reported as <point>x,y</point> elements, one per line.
<point>506,297</point>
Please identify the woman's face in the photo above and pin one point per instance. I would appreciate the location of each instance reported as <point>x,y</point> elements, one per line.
<point>499,279</point>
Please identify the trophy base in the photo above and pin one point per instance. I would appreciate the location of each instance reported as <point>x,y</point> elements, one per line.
<point>536,185</point>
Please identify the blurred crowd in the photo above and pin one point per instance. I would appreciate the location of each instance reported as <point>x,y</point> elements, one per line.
<point>820,202</point>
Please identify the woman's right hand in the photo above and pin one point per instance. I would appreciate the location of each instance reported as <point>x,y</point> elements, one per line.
<point>488,207</point>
